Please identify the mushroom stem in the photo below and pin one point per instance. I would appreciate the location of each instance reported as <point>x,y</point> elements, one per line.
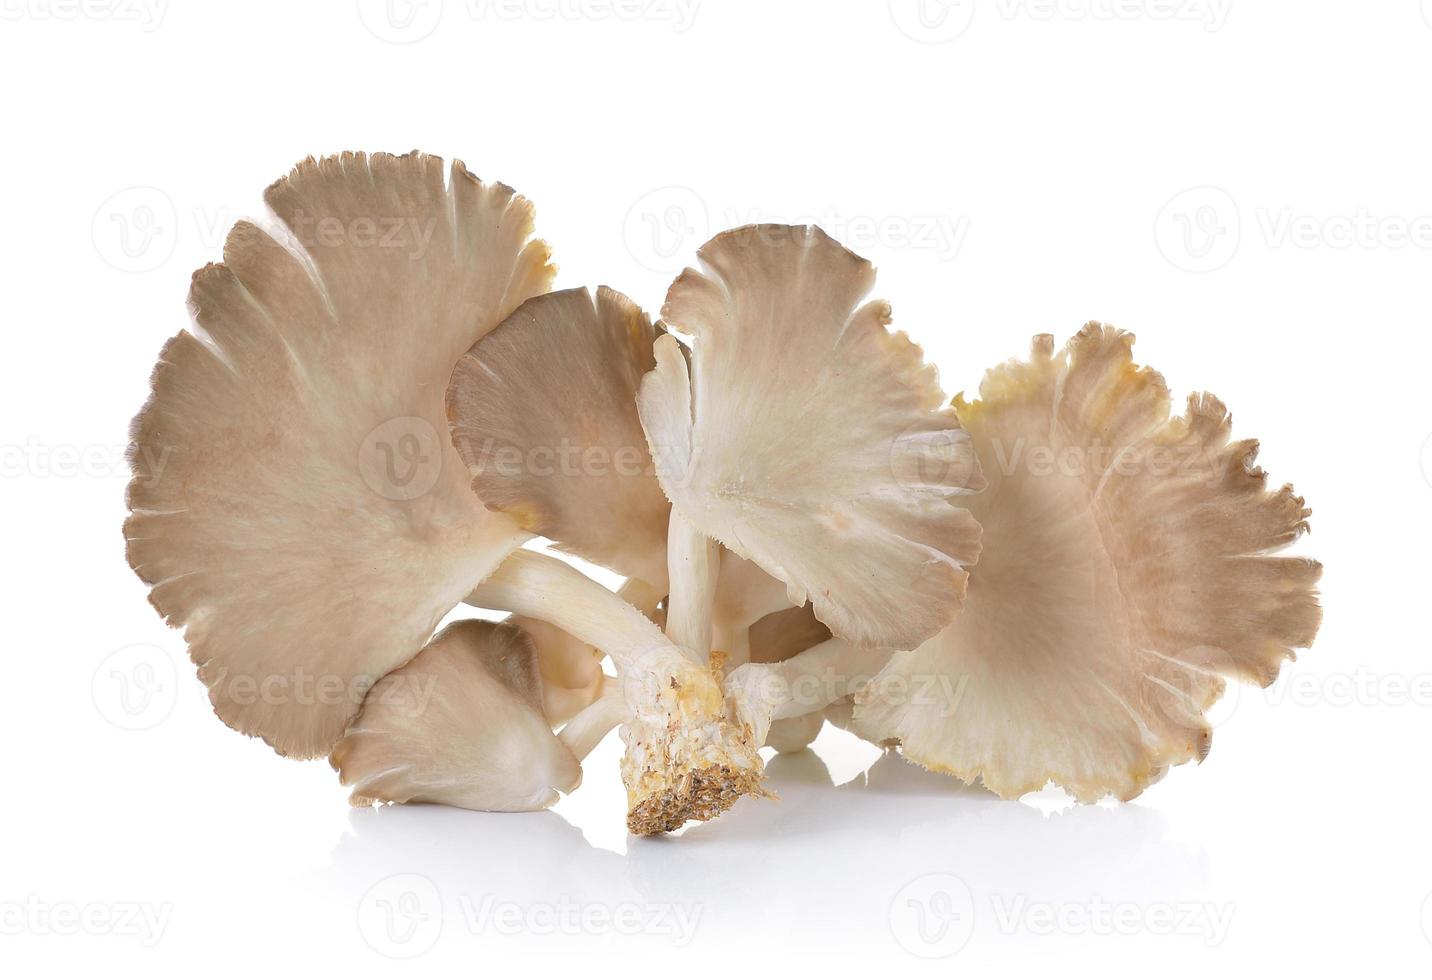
<point>807,682</point>
<point>589,726</point>
<point>693,561</point>
<point>533,584</point>
<point>687,757</point>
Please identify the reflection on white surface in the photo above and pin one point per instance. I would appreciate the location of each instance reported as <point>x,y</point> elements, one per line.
<point>895,857</point>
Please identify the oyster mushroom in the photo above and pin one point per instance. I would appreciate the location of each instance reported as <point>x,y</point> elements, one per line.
<point>795,438</point>
<point>542,413</point>
<point>784,441</point>
<point>1129,568</point>
<point>563,371</point>
<point>462,724</point>
<point>296,505</point>
<point>800,438</point>
<point>688,755</point>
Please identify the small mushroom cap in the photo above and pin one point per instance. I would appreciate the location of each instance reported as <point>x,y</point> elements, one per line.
<point>542,411</point>
<point>460,724</point>
<point>296,505</point>
<point>812,440</point>
<point>571,670</point>
<point>1128,568</point>
<point>781,635</point>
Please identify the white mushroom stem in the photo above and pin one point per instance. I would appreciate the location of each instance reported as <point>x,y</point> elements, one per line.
<point>807,682</point>
<point>533,584</point>
<point>744,594</point>
<point>589,726</point>
<point>643,595</point>
<point>693,561</point>
<point>686,757</point>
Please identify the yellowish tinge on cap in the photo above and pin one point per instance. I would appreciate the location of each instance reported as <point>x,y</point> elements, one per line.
<point>1128,568</point>
<point>543,413</point>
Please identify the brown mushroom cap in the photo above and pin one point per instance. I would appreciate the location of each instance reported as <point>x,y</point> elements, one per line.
<point>460,724</point>
<point>1127,568</point>
<point>296,505</point>
<point>809,438</point>
<point>543,413</point>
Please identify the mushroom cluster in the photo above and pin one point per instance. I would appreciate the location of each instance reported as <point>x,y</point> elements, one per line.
<point>381,406</point>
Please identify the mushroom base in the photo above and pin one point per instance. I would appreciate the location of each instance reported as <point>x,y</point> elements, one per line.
<point>689,760</point>
<point>699,794</point>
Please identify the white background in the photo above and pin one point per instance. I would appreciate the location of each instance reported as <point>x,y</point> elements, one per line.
<point>1244,185</point>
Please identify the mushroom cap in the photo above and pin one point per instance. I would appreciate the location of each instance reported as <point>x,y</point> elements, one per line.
<point>461,724</point>
<point>782,634</point>
<point>542,411</point>
<point>1127,569</point>
<point>296,505</point>
<point>814,442</point>
<point>571,670</point>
